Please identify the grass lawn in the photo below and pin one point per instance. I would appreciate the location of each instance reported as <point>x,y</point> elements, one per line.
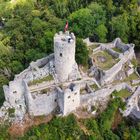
<point>134,62</point>
<point>84,68</point>
<point>109,60</point>
<point>94,86</point>
<point>90,48</point>
<point>133,76</point>
<point>117,50</point>
<point>37,81</point>
<point>124,93</point>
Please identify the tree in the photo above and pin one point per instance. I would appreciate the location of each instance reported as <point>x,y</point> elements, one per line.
<point>119,27</point>
<point>16,66</point>
<point>3,81</point>
<point>109,135</point>
<point>98,13</point>
<point>136,30</point>
<point>33,54</point>
<point>60,8</point>
<point>46,42</point>
<point>101,31</point>
<point>82,22</point>
<point>81,52</point>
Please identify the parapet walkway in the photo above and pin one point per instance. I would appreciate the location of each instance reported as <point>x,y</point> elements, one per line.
<point>44,85</point>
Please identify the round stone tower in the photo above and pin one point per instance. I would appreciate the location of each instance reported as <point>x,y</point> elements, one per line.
<point>64,52</point>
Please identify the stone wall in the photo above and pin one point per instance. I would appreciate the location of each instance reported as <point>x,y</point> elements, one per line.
<point>132,105</point>
<point>111,73</point>
<point>14,96</point>
<point>37,69</point>
<point>40,104</point>
<point>102,94</point>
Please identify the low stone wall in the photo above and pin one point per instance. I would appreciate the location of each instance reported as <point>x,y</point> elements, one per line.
<point>41,104</point>
<point>92,98</point>
<point>111,73</point>
<point>132,103</point>
<point>96,50</point>
<point>88,43</point>
<point>39,63</point>
<point>113,53</point>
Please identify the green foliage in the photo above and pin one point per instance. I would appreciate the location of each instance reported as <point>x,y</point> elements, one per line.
<point>70,128</point>
<point>16,66</point>
<point>119,27</point>
<point>87,21</point>
<point>81,52</point>
<point>106,118</point>
<point>11,112</point>
<point>124,93</point>
<point>58,129</point>
<point>3,81</point>
<point>81,22</point>
<point>101,31</point>
<point>4,135</point>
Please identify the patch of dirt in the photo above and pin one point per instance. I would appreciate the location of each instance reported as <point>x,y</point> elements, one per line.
<point>83,127</point>
<point>102,59</point>
<point>117,120</point>
<point>18,129</point>
<point>81,113</point>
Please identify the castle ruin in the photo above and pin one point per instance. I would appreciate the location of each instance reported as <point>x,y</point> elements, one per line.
<point>56,84</point>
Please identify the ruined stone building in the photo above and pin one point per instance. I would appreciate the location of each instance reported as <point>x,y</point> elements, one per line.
<point>56,84</point>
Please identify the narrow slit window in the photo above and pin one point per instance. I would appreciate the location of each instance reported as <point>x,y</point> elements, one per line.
<point>60,54</point>
<point>68,97</point>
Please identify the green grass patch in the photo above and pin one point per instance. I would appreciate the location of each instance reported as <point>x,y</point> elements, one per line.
<point>11,112</point>
<point>109,60</point>
<point>134,62</point>
<point>124,93</point>
<point>90,48</point>
<point>37,81</point>
<point>133,76</point>
<point>84,68</point>
<point>117,50</point>
<point>94,86</point>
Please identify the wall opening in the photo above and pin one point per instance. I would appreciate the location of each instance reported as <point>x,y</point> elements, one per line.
<point>60,54</point>
<point>20,106</point>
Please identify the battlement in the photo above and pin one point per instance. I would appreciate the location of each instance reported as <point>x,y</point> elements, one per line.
<point>64,37</point>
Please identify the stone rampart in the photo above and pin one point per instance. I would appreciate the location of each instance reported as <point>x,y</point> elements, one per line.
<point>111,73</point>
<point>98,95</point>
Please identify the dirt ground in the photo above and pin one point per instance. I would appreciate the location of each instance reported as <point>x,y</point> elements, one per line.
<point>18,129</point>
<point>117,120</point>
